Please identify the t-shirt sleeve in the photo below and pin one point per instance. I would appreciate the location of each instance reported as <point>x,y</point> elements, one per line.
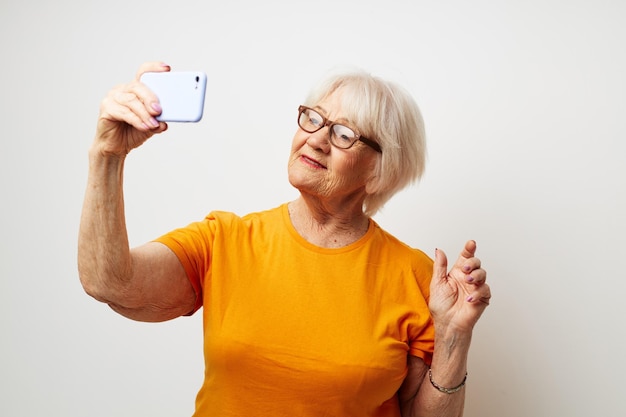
<point>192,245</point>
<point>422,343</point>
<point>423,347</point>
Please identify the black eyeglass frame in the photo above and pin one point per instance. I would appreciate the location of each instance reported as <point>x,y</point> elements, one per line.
<point>330,124</point>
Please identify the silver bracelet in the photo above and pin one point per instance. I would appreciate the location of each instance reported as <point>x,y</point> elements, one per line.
<point>444,389</point>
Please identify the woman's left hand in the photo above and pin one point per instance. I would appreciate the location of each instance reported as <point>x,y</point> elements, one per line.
<point>458,297</point>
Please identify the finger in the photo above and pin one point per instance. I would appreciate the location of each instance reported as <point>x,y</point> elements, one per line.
<point>468,265</point>
<point>147,98</point>
<point>481,295</point>
<point>120,113</point>
<point>469,249</point>
<point>477,277</point>
<point>125,106</point>
<point>128,106</point>
<point>153,66</point>
<point>466,261</point>
<point>440,267</point>
<point>143,92</point>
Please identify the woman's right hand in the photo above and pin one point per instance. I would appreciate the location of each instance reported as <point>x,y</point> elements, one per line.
<point>127,115</point>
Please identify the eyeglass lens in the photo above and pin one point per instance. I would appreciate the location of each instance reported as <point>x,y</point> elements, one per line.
<point>340,135</point>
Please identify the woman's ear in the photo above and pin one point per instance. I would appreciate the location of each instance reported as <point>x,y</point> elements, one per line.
<point>372,185</point>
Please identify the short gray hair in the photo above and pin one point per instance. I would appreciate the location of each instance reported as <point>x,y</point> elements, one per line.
<point>386,113</point>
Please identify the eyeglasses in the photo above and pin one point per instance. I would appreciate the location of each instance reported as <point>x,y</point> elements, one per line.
<point>341,136</point>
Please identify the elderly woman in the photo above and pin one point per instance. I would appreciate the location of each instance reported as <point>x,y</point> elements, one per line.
<point>309,308</point>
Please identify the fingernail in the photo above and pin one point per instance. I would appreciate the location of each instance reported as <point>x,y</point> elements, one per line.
<point>154,122</point>
<point>470,278</point>
<point>470,299</point>
<point>157,107</point>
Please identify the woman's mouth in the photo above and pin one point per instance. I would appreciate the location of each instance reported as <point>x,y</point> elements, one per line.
<point>311,162</point>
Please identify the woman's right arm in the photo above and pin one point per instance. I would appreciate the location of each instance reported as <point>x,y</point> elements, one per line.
<point>147,283</point>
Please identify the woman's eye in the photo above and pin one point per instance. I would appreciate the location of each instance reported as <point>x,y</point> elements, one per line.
<point>343,133</point>
<point>315,119</point>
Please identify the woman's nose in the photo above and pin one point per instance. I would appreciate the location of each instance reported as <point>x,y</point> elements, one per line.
<point>320,139</point>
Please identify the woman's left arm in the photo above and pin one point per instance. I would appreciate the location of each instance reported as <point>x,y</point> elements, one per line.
<point>457,300</point>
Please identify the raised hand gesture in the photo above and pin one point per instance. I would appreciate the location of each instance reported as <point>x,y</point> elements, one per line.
<point>127,115</point>
<point>458,297</point>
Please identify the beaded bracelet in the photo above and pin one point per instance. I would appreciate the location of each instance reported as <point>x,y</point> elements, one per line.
<point>444,389</point>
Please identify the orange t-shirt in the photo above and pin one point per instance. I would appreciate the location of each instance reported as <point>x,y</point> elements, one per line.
<point>292,329</point>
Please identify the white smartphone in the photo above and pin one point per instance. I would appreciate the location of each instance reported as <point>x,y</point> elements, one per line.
<point>181,94</point>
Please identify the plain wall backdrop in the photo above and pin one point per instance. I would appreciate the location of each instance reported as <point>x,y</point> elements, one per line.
<point>525,111</point>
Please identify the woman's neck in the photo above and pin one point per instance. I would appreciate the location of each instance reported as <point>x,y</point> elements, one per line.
<point>326,226</point>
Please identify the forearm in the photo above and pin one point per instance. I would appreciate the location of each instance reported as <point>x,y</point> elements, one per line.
<point>104,261</point>
<point>449,367</point>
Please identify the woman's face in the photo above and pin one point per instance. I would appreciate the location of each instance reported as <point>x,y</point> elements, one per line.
<point>316,167</point>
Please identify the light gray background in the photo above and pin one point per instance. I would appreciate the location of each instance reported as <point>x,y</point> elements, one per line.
<point>525,108</point>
